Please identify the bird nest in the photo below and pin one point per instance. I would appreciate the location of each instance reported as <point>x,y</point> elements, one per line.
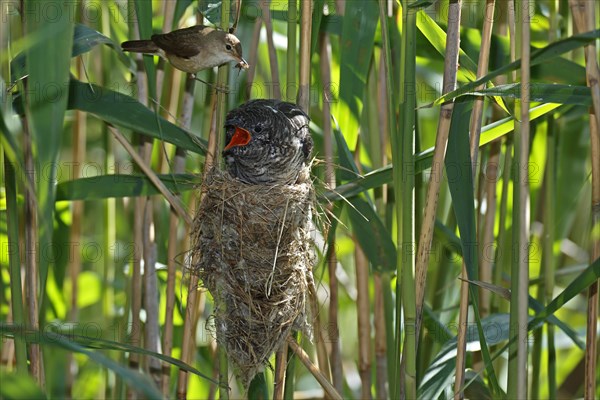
<point>253,250</point>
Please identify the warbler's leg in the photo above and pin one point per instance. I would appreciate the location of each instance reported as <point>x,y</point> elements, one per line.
<point>217,88</point>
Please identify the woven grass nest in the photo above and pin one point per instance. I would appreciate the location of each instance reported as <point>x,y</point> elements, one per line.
<point>253,250</point>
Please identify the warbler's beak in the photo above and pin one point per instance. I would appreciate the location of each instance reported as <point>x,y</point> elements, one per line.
<point>241,137</point>
<point>242,64</point>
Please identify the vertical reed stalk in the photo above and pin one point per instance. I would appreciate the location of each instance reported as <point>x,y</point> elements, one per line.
<point>304,102</point>
<point>279,373</point>
<point>36,365</point>
<point>381,363</point>
<point>517,370</point>
<point>492,182</point>
<point>172,249</point>
<point>166,101</point>
<point>292,27</point>
<point>335,356</point>
<point>548,248</point>
<point>108,207</point>
<point>388,340</point>
<point>503,245</point>
<point>403,376</point>
<point>461,344</point>
<point>364,323</point>
<point>168,11</point>
<point>195,299</point>
<point>12,227</point>
<point>584,15</point>
<point>305,38</point>
<point>290,369</point>
<point>290,95</point>
<point>318,332</point>
<point>178,167</point>
<point>136,290</point>
<point>187,341</point>
<point>506,24</point>
<point>145,247</point>
<point>379,285</point>
<point>167,344</point>
<point>549,234</point>
<point>7,350</point>
<point>487,255</point>
<point>253,56</point>
<point>78,156</point>
<point>363,309</point>
<point>433,187</point>
<point>151,333</point>
<point>16,291</point>
<point>152,340</point>
<point>266,17</point>
<point>213,145</point>
<point>140,203</point>
<point>222,365</point>
<point>591,362</point>
<point>475,133</point>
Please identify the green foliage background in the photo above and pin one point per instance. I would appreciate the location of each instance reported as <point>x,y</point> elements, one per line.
<point>66,59</point>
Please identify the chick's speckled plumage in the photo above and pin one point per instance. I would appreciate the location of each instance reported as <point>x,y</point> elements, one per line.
<point>279,142</point>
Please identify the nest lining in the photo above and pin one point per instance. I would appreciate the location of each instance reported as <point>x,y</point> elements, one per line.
<point>253,251</point>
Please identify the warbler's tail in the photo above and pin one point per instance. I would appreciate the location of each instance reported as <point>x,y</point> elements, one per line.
<point>140,46</point>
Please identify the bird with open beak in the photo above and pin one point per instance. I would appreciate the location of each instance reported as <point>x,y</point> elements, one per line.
<point>192,49</point>
<point>268,142</point>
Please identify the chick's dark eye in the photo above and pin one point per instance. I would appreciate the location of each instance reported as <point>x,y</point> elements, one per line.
<point>257,129</point>
<point>228,47</point>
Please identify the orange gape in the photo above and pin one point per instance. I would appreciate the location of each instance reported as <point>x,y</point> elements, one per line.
<point>241,137</point>
<point>267,142</point>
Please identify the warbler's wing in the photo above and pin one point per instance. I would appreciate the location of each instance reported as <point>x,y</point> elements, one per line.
<point>184,42</point>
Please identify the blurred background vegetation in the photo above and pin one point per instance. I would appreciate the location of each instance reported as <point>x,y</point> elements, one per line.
<point>94,299</point>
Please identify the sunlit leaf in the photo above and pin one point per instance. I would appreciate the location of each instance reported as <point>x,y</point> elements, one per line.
<point>143,13</point>
<point>376,241</point>
<point>440,372</point>
<point>140,382</point>
<point>108,186</point>
<point>19,387</point>
<point>541,92</point>
<point>579,284</point>
<point>125,111</point>
<point>538,56</point>
<point>180,9</point>
<point>81,344</point>
<point>437,37</point>
<point>383,175</point>
<point>47,66</point>
<point>356,44</point>
<point>422,3</point>
<point>84,40</point>
<point>460,182</point>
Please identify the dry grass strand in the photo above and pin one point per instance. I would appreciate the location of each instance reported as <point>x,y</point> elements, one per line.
<point>255,250</point>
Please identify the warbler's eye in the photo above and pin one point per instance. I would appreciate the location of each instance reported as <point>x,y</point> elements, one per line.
<point>257,129</point>
<point>228,47</point>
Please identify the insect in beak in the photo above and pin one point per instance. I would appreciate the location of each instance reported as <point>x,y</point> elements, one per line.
<point>242,65</point>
